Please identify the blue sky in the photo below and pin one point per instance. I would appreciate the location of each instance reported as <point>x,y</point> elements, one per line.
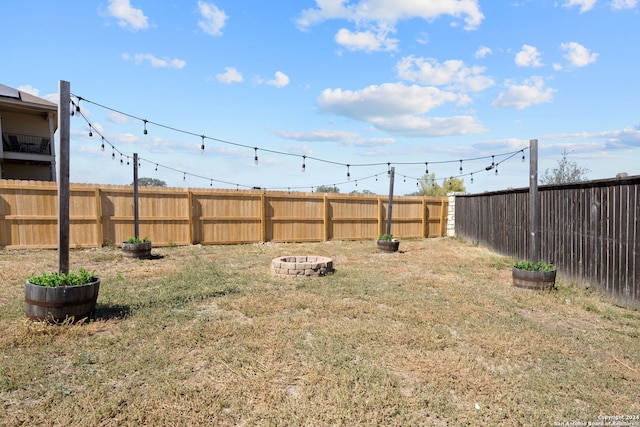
<point>360,82</point>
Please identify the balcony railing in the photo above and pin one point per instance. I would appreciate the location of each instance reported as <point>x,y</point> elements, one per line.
<point>26,143</point>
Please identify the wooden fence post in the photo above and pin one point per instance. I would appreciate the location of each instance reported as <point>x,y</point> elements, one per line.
<point>64,127</point>
<point>534,202</point>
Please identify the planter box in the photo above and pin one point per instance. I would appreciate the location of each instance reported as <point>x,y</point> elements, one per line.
<point>61,303</point>
<point>534,280</point>
<point>136,250</point>
<point>388,246</point>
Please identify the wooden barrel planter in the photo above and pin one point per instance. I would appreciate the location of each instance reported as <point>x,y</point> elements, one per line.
<point>136,250</point>
<point>61,303</point>
<point>388,246</point>
<point>534,280</point>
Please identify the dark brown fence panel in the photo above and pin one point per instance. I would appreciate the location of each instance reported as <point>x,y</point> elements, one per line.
<point>590,230</point>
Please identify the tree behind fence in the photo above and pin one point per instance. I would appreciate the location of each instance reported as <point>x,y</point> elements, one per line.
<point>103,214</point>
<point>590,230</point>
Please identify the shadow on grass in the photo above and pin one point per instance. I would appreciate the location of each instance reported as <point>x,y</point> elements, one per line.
<point>112,311</point>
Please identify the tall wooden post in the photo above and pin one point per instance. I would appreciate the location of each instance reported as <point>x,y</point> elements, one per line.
<point>390,213</point>
<point>64,125</point>
<point>534,202</point>
<point>136,217</point>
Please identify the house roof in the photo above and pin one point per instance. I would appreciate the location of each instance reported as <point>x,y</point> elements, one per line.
<point>22,102</point>
<point>14,96</point>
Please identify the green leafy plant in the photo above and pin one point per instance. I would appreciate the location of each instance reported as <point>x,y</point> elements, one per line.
<point>137,240</point>
<point>55,279</point>
<point>386,237</point>
<point>537,266</point>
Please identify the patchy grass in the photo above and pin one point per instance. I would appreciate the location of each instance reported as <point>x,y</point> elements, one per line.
<point>435,335</point>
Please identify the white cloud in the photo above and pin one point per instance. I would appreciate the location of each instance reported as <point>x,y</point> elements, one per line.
<point>280,80</point>
<point>378,11</point>
<point>578,55</point>
<point>531,92</point>
<point>624,4</point>
<point>29,89</point>
<point>365,40</point>
<point>452,73</point>
<point>350,139</point>
<point>528,57</point>
<point>585,5</point>
<point>230,75</point>
<point>155,62</point>
<point>420,127</point>
<point>127,15</point>
<point>399,109</point>
<point>483,51</point>
<point>213,19</point>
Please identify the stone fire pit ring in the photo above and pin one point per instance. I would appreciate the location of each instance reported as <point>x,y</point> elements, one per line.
<point>302,266</point>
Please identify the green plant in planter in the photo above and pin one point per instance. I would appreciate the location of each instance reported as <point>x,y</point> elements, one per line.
<point>134,239</point>
<point>386,237</point>
<point>55,279</point>
<point>537,266</point>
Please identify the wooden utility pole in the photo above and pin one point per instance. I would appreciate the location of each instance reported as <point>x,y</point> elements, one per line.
<point>64,120</point>
<point>392,173</point>
<point>534,202</point>
<point>136,218</point>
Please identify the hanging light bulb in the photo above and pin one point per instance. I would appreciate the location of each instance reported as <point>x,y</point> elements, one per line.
<point>255,159</point>
<point>121,162</point>
<point>348,173</point>
<point>426,165</point>
<point>496,170</point>
<point>145,126</point>
<point>304,166</point>
<point>493,163</point>
<point>90,132</point>
<point>417,182</point>
<point>522,156</point>
<point>127,160</point>
<point>460,165</point>
<point>113,153</point>
<point>404,179</point>
<point>356,182</point>
<point>184,176</point>
<point>202,145</point>
<point>102,146</point>
<point>472,178</point>
<point>156,167</point>
<point>389,170</point>
<point>78,105</point>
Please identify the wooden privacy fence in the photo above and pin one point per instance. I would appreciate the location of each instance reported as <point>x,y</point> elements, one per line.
<point>590,230</point>
<point>103,214</point>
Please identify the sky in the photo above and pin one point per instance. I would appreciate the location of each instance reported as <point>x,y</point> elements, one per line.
<point>347,88</point>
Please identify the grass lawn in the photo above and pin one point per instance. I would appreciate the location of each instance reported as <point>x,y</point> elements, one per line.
<point>204,335</point>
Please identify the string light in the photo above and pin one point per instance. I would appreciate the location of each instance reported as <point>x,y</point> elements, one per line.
<point>184,176</point>
<point>113,153</point>
<point>493,165</point>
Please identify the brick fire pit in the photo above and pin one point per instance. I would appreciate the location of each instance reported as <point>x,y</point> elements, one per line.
<point>300,266</point>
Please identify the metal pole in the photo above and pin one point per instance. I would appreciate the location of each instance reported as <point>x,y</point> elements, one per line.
<point>64,125</point>
<point>391,178</point>
<point>534,202</point>
<point>136,218</point>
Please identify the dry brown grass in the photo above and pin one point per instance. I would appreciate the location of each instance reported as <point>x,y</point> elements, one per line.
<point>435,335</point>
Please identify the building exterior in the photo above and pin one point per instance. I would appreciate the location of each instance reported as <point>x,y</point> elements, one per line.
<point>27,125</point>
